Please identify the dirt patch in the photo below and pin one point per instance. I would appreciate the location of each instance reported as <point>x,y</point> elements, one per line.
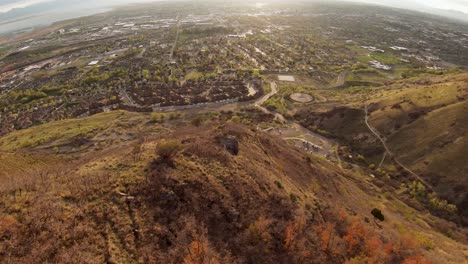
<point>302,98</point>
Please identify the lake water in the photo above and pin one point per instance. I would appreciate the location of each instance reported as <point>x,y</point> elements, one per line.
<point>46,14</point>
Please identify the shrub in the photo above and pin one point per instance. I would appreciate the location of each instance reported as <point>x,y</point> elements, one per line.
<point>294,198</point>
<point>158,117</point>
<point>279,185</point>
<point>167,150</point>
<point>197,121</point>
<point>378,214</point>
<point>362,158</point>
<point>173,115</point>
<point>231,144</point>
<point>235,119</point>
<point>259,231</point>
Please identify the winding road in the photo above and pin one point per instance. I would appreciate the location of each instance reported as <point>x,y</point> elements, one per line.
<point>261,101</point>
<point>299,131</point>
<point>340,81</point>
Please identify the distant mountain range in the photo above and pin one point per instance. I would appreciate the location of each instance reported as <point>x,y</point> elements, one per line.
<point>45,13</point>
<point>448,13</point>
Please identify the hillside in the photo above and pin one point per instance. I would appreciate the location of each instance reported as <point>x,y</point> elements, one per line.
<point>423,121</point>
<point>198,189</point>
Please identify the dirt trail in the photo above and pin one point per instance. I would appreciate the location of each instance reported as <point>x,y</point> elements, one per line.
<point>390,154</point>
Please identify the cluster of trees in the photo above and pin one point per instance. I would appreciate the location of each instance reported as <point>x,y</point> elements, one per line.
<point>441,207</point>
<point>27,96</point>
<point>94,76</point>
<point>200,32</point>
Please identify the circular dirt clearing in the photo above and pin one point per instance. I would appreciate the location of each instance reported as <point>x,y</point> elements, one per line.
<point>302,98</point>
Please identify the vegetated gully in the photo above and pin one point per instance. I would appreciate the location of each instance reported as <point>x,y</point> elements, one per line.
<point>387,150</point>
<point>327,145</point>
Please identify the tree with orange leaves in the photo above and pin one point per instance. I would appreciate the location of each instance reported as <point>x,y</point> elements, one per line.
<point>197,253</point>
<point>297,239</point>
<point>259,230</point>
<point>375,249</point>
<point>200,252</point>
<point>293,229</point>
<point>389,249</point>
<point>354,236</point>
<point>325,234</point>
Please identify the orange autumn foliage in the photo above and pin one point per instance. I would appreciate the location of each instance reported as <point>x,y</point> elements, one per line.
<point>418,259</point>
<point>293,229</point>
<point>199,252</point>
<point>373,244</point>
<point>389,248</point>
<point>355,234</point>
<point>325,234</point>
<point>259,230</point>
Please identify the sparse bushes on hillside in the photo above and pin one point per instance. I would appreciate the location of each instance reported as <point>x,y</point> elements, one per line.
<point>199,211</point>
<point>203,148</point>
<point>345,239</point>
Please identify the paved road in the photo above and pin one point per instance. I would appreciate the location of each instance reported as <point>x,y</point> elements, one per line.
<point>126,98</point>
<point>261,101</point>
<point>340,81</point>
<point>274,90</point>
<point>295,130</point>
<point>141,53</point>
<point>176,39</point>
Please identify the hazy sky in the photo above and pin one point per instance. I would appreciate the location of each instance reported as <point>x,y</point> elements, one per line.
<point>458,5</point>
<point>8,5</point>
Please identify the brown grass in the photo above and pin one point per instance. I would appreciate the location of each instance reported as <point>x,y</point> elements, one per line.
<point>208,207</point>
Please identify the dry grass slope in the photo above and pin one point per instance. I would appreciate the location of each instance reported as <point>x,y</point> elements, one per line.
<point>271,203</point>
<point>423,120</point>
